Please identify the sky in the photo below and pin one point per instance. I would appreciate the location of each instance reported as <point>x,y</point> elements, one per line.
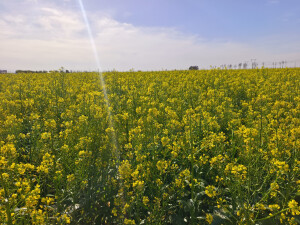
<point>147,34</point>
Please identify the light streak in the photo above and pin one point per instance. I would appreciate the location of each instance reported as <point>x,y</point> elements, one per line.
<point>94,48</point>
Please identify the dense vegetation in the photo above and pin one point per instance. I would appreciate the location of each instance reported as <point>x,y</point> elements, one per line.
<point>170,147</point>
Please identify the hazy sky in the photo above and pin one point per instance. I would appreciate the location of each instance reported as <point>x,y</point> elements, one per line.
<point>147,34</point>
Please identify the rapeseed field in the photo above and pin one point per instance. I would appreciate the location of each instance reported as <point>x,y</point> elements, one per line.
<point>168,147</point>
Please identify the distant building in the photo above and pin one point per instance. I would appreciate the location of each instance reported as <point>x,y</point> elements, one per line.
<point>3,71</point>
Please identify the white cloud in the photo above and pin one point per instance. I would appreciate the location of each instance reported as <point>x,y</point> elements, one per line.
<point>48,37</point>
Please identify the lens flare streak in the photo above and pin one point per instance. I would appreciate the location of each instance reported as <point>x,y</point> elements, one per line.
<point>94,48</point>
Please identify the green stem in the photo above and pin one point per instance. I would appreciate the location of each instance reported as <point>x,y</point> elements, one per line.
<point>7,206</point>
<point>271,216</point>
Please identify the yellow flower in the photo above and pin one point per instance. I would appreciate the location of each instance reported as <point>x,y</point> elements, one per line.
<point>50,124</point>
<point>165,141</point>
<point>274,207</point>
<point>209,218</point>
<point>114,211</point>
<point>66,219</point>
<point>47,200</point>
<point>159,182</point>
<point>130,222</point>
<point>274,187</point>
<point>70,177</point>
<point>125,169</point>
<point>8,150</point>
<point>162,165</point>
<point>138,184</point>
<point>5,175</point>
<point>46,135</point>
<point>294,208</point>
<point>46,163</point>
<point>145,200</point>
<point>82,119</point>
<point>124,210</point>
<point>210,191</point>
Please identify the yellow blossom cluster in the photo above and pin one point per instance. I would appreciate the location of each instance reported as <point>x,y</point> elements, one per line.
<point>167,147</point>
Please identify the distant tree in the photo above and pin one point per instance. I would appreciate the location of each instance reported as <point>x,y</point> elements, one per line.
<point>240,65</point>
<point>193,68</point>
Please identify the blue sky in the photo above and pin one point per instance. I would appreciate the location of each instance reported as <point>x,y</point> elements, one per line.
<point>237,20</point>
<point>148,35</point>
